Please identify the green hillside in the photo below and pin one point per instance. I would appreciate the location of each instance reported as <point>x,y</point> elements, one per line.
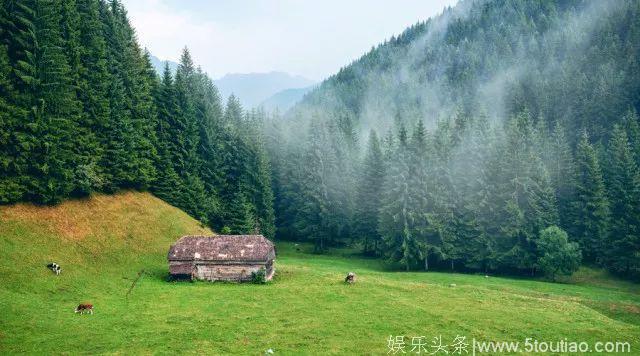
<point>104,242</point>
<point>457,143</point>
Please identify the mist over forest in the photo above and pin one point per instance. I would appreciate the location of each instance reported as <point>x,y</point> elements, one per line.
<point>458,142</point>
<point>470,185</point>
<point>482,139</point>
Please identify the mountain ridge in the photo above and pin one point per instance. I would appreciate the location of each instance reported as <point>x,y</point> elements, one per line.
<point>254,88</point>
<point>283,100</point>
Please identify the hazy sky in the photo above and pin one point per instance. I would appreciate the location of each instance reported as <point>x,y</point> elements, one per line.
<point>310,38</point>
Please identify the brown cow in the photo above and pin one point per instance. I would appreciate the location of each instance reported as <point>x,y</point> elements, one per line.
<point>84,307</point>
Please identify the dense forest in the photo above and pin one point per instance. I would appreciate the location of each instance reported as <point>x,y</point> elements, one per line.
<point>82,110</point>
<point>499,136</point>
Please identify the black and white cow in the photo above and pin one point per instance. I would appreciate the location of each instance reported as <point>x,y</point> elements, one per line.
<point>55,268</point>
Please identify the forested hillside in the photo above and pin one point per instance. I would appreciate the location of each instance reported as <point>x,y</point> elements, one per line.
<point>82,110</point>
<point>464,141</point>
<point>500,135</point>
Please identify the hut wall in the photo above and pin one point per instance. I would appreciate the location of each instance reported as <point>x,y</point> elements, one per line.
<point>181,268</point>
<point>226,272</point>
<point>217,271</point>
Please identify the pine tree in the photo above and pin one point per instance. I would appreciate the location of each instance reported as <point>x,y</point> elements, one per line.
<point>92,85</point>
<point>256,177</point>
<point>54,110</point>
<point>117,136</point>
<point>442,194</point>
<point>477,180</point>
<point>188,162</point>
<point>530,200</point>
<point>396,225</point>
<point>209,116</point>
<point>623,180</point>
<point>560,163</point>
<point>631,123</point>
<point>369,196</point>
<point>313,218</point>
<point>12,162</point>
<point>590,207</point>
<point>168,184</point>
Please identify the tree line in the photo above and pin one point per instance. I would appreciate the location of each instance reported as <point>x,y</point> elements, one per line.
<point>82,110</point>
<point>466,195</point>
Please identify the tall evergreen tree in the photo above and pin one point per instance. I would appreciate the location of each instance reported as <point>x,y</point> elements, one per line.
<point>623,181</point>
<point>168,184</point>
<point>590,207</point>
<point>560,164</point>
<point>396,222</point>
<point>369,196</point>
<point>54,109</point>
<point>530,200</point>
<point>12,113</point>
<point>631,123</point>
<point>313,219</point>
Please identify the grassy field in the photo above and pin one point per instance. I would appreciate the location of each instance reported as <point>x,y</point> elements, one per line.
<point>105,242</point>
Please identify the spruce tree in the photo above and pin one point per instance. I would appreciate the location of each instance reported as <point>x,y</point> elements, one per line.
<point>631,123</point>
<point>530,204</point>
<point>313,218</point>
<point>623,180</point>
<point>54,110</point>
<point>168,184</point>
<point>396,222</point>
<point>369,196</point>
<point>560,164</point>
<point>12,116</point>
<point>92,85</point>
<point>590,207</point>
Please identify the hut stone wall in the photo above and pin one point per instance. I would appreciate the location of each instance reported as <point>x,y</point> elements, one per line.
<point>217,271</point>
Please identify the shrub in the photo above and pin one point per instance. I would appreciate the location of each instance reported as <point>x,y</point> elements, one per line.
<point>260,276</point>
<point>557,254</point>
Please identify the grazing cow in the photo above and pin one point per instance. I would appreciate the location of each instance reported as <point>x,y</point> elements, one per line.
<point>84,307</point>
<point>55,268</point>
<point>351,278</point>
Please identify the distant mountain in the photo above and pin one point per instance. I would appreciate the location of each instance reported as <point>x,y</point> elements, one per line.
<point>158,64</point>
<point>272,90</point>
<point>285,99</point>
<point>254,88</point>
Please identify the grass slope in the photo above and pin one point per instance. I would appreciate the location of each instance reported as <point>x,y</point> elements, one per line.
<point>104,242</point>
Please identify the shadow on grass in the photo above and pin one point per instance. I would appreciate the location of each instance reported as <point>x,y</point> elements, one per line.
<point>626,313</point>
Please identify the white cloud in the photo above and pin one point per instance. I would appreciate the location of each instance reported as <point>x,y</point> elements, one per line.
<point>313,39</point>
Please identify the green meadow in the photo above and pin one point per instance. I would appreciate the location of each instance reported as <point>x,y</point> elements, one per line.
<point>103,244</point>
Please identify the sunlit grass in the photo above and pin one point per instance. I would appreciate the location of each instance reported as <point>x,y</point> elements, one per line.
<point>306,308</point>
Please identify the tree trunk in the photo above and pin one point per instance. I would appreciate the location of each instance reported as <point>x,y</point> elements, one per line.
<point>426,261</point>
<point>452,265</point>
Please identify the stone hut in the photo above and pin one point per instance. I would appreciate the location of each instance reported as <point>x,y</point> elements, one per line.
<point>221,257</point>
